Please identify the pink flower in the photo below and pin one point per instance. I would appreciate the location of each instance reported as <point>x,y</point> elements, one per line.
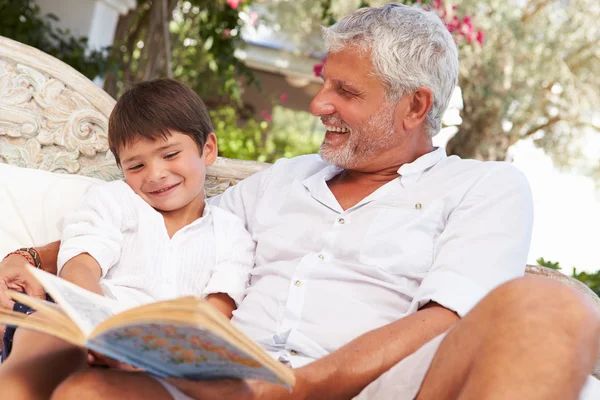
<point>226,33</point>
<point>283,97</point>
<point>234,3</point>
<point>318,68</point>
<point>253,18</point>
<point>479,38</point>
<point>266,116</point>
<point>437,4</point>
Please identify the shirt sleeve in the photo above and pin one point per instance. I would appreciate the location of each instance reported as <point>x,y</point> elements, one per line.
<point>94,227</point>
<point>231,274</point>
<point>241,200</point>
<point>484,243</point>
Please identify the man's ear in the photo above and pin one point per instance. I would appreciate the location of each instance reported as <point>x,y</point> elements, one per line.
<point>420,102</point>
<point>211,149</point>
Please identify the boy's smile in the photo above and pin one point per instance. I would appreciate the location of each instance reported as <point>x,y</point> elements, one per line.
<point>169,173</point>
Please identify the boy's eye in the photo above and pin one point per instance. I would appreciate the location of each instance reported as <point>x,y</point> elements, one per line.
<point>135,167</point>
<point>171,155</point>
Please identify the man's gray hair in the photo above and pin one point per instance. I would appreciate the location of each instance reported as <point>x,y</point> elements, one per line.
<point>410,48</point>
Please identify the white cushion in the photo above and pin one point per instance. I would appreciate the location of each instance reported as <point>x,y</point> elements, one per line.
<point>33,203</point>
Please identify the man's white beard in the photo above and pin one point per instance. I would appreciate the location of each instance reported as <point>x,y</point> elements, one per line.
<point>364,141</point>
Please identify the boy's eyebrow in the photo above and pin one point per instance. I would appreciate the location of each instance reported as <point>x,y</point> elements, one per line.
<point>158,150</point>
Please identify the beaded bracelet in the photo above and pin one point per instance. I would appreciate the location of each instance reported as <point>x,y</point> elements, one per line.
<point>30,254</point>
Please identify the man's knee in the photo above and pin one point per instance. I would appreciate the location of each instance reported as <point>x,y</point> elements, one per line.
<point>546,302</point>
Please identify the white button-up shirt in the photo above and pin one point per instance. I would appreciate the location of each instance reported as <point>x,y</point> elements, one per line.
<point>141,264</point>
<point>447,230</point>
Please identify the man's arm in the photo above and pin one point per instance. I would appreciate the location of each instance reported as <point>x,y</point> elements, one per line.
<point>14,274</point>
<point>367,357</point>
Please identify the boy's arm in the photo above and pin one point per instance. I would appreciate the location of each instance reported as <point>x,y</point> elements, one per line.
<point>222,302</point>
<point>84,271</point>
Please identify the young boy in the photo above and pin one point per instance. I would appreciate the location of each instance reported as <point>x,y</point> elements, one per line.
<point>149,238</point>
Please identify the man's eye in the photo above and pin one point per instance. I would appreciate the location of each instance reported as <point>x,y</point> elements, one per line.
<point>171,155</point>
<point>135,167</point>
<point>346,92</point>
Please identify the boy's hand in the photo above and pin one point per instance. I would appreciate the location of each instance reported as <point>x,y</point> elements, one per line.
<point>99,360</point>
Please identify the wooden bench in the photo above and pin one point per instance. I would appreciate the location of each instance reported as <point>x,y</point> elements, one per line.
<point>53,118</point>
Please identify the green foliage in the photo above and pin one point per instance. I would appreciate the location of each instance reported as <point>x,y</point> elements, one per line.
<point>20,20</point>
<point>204,37</point>
<point>548,264</point>
<point>290,134</point>
<point>592,280</point>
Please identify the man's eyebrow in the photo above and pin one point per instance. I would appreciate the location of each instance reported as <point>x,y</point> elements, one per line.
<point>341,82</point>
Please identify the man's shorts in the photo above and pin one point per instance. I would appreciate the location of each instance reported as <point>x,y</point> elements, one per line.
<point>9,332</point>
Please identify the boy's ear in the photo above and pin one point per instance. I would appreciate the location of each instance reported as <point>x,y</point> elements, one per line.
<point>211,149</point>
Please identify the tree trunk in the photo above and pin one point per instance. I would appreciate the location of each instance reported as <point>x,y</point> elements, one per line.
<point>480,136</point>
<point>479,142</point>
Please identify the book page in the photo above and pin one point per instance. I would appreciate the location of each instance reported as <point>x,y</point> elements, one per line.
<point>51,324</point>
<point>173,350</point>
<point>85,308</point>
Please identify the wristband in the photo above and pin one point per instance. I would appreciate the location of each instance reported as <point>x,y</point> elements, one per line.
<point>30,254</point>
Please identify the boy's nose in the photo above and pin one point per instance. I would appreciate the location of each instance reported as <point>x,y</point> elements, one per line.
<point>156,173</point>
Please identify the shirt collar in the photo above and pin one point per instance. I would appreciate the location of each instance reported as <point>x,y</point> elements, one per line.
<point>411,172</point>
<point>316,185</point>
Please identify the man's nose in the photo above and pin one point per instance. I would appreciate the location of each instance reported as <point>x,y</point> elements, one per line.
<point>321,104</point>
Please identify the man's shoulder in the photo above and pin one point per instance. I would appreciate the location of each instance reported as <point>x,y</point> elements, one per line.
<point>114,190</point>
<point>494,170</point>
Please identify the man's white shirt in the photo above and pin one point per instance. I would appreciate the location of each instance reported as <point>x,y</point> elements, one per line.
<point>141,264</point>
<point>447,230</point>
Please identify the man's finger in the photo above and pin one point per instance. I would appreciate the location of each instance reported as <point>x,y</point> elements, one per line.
<point>5,300</point>
<point>34,289</point>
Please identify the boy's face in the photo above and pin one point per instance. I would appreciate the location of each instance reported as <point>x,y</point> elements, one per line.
<point>168,174</point>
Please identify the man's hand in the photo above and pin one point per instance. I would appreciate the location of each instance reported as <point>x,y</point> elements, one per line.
<point>15,276</point>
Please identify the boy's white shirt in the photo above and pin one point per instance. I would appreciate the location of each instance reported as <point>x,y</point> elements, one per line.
<point>141,264</point>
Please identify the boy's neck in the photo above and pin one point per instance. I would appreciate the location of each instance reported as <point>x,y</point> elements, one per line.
<point>177,219</point>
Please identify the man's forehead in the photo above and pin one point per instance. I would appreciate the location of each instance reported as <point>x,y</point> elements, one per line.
<point>347,76</point>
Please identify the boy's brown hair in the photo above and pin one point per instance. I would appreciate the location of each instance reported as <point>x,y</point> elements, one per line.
<point>150,109</point>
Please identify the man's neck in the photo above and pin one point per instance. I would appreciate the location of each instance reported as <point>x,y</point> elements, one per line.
<point>353,185</point>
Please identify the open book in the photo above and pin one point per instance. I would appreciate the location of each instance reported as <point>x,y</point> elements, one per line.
<point>182,338</point>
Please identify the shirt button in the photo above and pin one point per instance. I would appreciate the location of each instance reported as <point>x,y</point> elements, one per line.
<point>418,206</point>
<point>321,256</point>
<point>298,283</point>
<point>293,352</point>
<point>342,221</point>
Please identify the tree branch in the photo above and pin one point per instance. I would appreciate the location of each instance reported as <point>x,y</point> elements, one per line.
<point>547,124</point>
<point>537,8</point>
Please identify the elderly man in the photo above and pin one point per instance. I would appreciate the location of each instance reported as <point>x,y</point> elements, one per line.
<point>377,263</point>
